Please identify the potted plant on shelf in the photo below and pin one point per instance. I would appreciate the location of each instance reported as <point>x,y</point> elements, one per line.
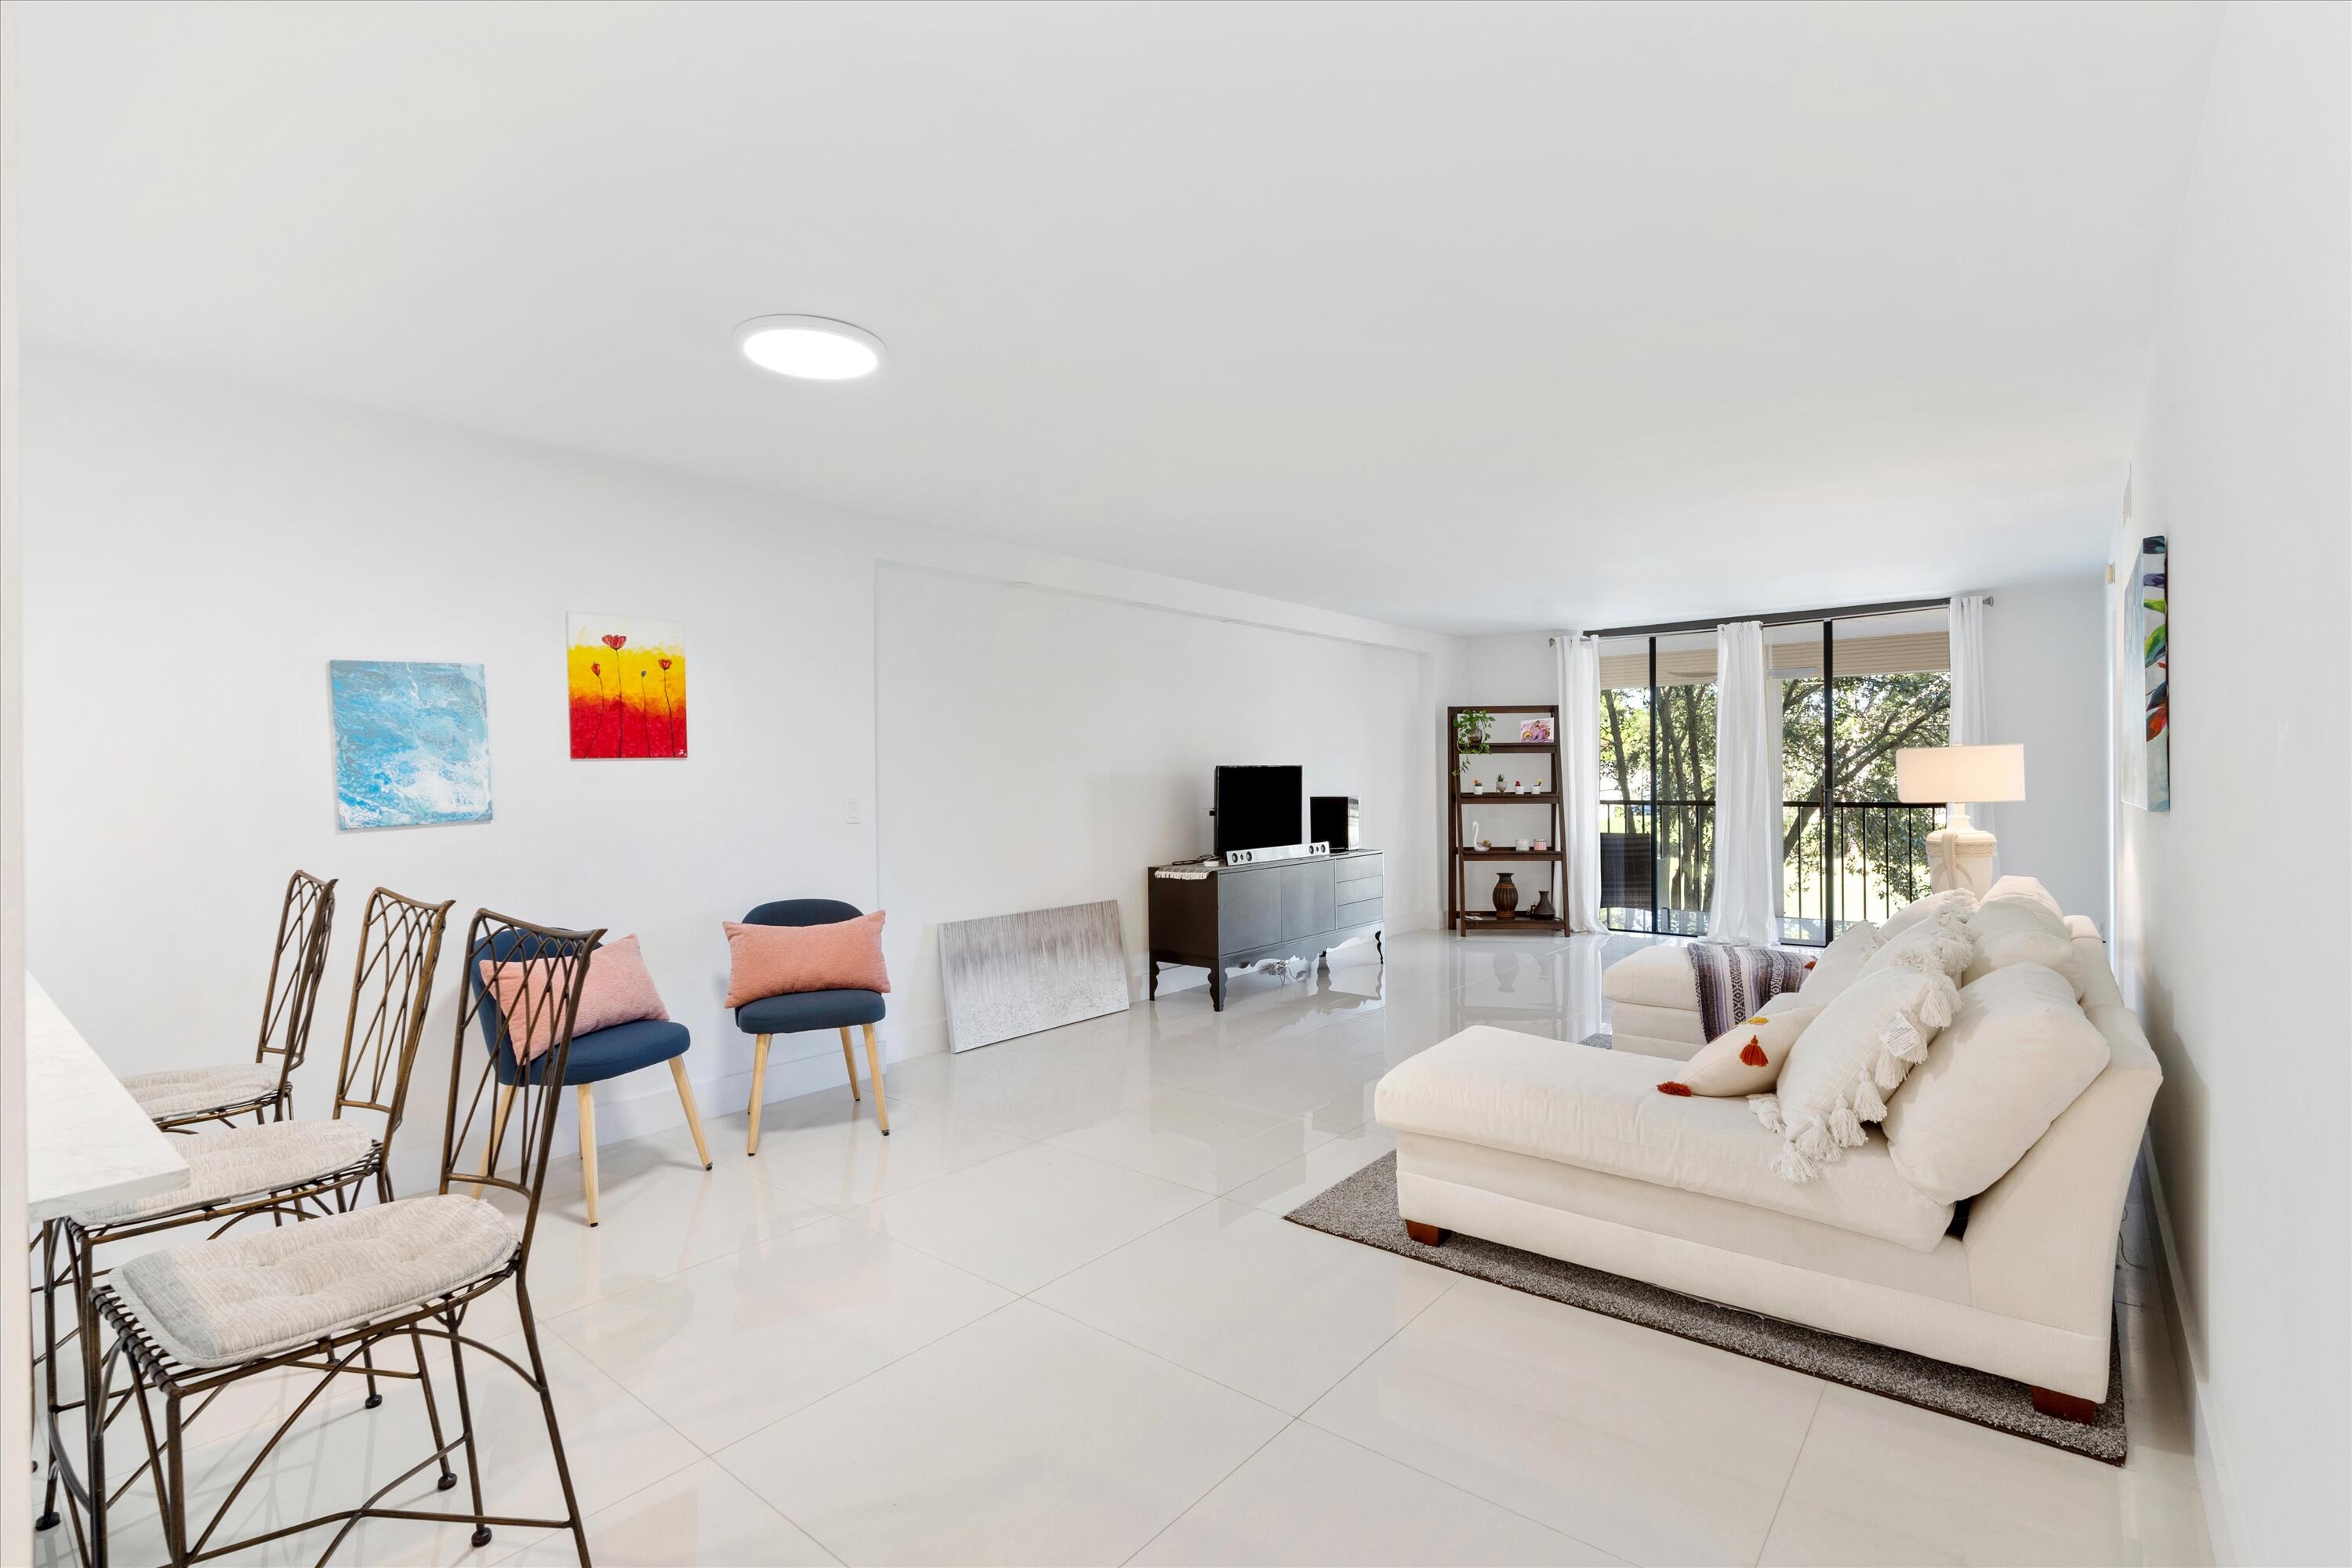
<point>1470,727</point>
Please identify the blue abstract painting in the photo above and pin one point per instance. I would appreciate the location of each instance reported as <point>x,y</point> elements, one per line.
<point>412,743</point>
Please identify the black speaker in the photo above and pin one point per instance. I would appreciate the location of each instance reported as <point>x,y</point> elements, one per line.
<point>1331,819</point>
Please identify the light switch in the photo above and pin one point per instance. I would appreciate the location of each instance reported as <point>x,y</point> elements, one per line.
<point>853,809</point>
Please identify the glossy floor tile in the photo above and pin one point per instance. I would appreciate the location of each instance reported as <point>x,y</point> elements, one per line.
<point>1196,1141</point>
<point>1880,1482</point>
<point>1653,1449</point>
<point>1030,1216</point>
<point>836,1156</point>
<point>1026,1438</point>
<point>1311,1498</point>
<point>1325,1165</point>
<point>725,1348</point>
<point>824,1353</point>
<point>1272,1308</point>
<point>700,1515</point>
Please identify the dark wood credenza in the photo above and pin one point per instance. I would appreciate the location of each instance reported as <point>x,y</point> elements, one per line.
<point>1240,915</point>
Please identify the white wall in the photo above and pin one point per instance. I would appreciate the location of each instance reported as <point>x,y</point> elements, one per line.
<point>2045,688</point>
<point>2229,908</point>
<point>196,552</point>
<point>1039,750</point>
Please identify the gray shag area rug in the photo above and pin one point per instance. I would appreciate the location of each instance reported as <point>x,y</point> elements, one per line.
<point>1600,1040</point>
<point>1364,1208</point>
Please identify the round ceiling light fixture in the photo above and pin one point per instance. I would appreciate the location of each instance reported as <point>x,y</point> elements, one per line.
<point>812,348</point>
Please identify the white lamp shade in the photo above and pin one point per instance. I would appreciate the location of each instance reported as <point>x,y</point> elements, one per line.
<point>1960,774</point>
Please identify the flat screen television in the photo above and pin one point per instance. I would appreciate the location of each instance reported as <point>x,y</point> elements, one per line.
<point>1260,807</point>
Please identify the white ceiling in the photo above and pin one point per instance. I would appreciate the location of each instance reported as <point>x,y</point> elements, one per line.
<point>1467,318</point>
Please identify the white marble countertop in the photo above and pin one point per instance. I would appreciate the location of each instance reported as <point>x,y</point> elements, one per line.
<point>86,1141</point>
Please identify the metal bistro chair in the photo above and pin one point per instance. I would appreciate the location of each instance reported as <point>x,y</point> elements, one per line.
<point>288,1169</point>
<point>596,1055</point>
<point>791,1014</point>
<point>406,1269</point>
<point>179,1097</point>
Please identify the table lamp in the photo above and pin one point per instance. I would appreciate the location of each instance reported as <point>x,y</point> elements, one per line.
<point>1959,855</point>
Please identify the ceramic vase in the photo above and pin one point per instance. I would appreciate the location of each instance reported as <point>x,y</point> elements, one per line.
<point>1506,896</point>
<point>1543,910</point>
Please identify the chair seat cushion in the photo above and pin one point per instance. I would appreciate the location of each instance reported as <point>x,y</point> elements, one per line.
<point>610,1053</point>
<point>244,1161</point>
<point>179,1091</point>
<point>1601,1110</point>
<point>220,1302</point>
<point>809,1010</point>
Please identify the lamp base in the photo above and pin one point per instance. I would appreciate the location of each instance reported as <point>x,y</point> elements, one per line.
<point>1960,857</point>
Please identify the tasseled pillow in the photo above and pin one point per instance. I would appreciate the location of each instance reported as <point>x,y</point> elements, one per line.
<point>1850,1058</point>
<point>1941,941</point>
<point>1746,1057</point>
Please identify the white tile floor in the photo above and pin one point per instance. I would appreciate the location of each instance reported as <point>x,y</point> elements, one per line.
<point>1056,1318</point>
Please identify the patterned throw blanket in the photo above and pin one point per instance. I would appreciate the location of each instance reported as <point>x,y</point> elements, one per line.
<point>1733,982</point>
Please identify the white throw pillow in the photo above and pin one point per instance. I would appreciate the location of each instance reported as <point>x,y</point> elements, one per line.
<point>2025,888</point>
<point>1946,904</point>
<point>1853,1054</point>
<point>1746,1057</point>
<point>1840,964</point>
<point>2020,930</point>
<point>1941,943</point>
<point>2016,1054</point>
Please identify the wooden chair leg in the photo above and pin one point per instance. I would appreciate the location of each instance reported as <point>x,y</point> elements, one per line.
<point>759,1084</point>
<point>686,1098</point>
<point>588,1148</point>
<point>850,1062</point>
<point>2065,1407</point>
<point>874,1070</point>
<point>497,1130</point>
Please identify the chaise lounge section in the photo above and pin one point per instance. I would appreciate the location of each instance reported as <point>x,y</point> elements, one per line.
<point>1572,1154</point>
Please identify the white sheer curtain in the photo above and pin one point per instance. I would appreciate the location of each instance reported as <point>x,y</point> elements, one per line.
<point>1968,687</point>
<point>1580,782</point>
<point>1746,790</point>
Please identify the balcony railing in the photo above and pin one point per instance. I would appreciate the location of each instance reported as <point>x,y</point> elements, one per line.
<point>1860,859</point>
<point>1657,865</point>
<point>1865,861</point>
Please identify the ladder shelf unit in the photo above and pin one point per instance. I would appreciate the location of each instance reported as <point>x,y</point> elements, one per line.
<point>1461,855</point>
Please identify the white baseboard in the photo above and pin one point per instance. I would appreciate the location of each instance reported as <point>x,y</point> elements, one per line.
<point>2214,1476</point>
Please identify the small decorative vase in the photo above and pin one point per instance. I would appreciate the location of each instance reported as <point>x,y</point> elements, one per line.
<point>1506,896</point>
<point>1543,910</point>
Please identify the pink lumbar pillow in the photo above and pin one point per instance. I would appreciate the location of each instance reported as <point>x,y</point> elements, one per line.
<point>775,961</point>
<point>619,990</point>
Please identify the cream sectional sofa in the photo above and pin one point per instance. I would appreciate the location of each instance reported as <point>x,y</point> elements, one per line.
<point>1573,1153</point>
<point>1654,1003</point>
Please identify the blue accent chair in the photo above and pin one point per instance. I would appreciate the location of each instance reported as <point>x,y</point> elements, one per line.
<point>596,1057</point>
<point>811,1010</point>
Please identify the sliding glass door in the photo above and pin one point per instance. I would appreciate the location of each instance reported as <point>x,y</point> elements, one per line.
<point>1657,782</point>
<point>1853,690</point>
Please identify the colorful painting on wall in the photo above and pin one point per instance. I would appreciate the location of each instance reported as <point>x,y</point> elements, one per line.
<point>2151,783</point>
<point>412,743</point>
<point>627,686</point>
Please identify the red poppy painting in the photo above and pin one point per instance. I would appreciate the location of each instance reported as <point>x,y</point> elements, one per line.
<point>626,677</point>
